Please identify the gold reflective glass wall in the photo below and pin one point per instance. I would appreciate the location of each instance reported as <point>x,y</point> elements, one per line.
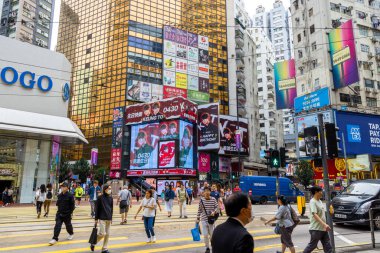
<point>109,42</point>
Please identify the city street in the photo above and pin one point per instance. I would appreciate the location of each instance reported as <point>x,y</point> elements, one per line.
<point>21,231</point>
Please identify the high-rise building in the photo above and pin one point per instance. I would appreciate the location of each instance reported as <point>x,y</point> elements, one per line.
<point>313,22</point>
<point>271,132</point>
<point>28,20</point>
<point>119,41</point>
<point>242,76</point>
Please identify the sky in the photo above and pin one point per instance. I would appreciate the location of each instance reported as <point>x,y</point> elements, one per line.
<point>250,6</point>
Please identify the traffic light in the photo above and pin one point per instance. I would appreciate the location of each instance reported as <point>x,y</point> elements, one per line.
<point>332,140</point>
<point>311,141</point>
<point>283,157</point>
<point>275,159</point>
<point>268,156</point>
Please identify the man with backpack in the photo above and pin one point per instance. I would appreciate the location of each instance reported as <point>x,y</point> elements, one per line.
<point>125,202</point>
<point>182,196</point>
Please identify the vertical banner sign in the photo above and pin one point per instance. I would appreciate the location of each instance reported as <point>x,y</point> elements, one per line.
<point>238,139</point>
<point>185,65</point>
<point>186,150</point>
<point>343,55</point>
<point>204,162</point>
<point>54,164</point>
<point>208,133</point>
<point>115,159</point>
<point>94,156</point>
<point>228,129</point>
<point>285,82</point>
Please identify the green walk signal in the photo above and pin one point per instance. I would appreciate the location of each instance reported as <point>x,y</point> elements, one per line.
<point>275,159</point>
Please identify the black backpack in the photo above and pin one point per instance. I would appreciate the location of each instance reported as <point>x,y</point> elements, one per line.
<point>49,195</point>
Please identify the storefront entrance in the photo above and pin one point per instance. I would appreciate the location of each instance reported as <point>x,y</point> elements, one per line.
<point>5,184</point>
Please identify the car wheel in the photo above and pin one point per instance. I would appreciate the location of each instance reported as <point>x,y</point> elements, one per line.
<point>376,221</point>
<point>263,200</point>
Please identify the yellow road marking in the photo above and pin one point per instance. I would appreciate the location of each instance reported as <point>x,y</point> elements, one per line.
<point>61,243</point>
<point>140,244</point>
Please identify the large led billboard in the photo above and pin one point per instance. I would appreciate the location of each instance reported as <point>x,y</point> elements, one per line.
<point>185,65</point>
<point>285,83</point>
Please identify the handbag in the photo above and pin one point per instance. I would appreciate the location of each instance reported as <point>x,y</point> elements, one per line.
<point>210,218</point>
<point>94,236</point>
<point>195,232</point>
<point>294,216</point>
<point>277,229</point>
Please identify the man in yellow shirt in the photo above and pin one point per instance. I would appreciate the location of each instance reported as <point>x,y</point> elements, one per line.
<point>78,195</point>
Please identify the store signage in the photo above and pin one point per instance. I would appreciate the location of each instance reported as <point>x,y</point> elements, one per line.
<point>27,79</point>
<point>314,100</point>
<point>7,172</point>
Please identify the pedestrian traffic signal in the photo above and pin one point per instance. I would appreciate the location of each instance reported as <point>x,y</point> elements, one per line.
<point>268,156</point>
<point>275,159</point>
<point>283,157</point>
<point>311,141</point>
<point>332,140</point>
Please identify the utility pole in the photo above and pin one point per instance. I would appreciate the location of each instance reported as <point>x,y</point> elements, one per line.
<point>326,178</point>
<point>345,160</point>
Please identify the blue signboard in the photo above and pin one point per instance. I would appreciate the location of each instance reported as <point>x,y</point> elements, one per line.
<point>361,132</point>
<point>316,99</point>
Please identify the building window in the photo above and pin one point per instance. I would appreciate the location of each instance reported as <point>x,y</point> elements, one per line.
<point>369,83</point>
<point>371,102</point>
<point>303,88</point>
<point>316,82</point>
<point>312,29</point>
<point>363,31</point>
<point>356,99</point>
<point>361,14</point>
<point>300,54</point>
<point>89,36</point>
<point>88,50</point>
<point>313,46</point>
<point>344,97</point>
<point>87,66</point>
<point>260,89</point>
<point>310,12</point>
<point>299,37</point>
<point>262,124</point>
<point>86,80</point>
<point>364,48</point>
<point>260,80</point>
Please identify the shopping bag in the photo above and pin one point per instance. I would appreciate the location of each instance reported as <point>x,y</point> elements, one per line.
<point>196,233</point>
<point>94,236</point>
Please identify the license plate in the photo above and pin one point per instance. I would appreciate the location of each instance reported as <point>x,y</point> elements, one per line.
<point>341,216</point>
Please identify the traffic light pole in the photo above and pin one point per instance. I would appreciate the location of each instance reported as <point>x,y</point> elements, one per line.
<point>326,178</point>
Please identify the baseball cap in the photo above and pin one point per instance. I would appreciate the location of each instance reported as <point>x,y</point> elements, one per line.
<point>64,184</point>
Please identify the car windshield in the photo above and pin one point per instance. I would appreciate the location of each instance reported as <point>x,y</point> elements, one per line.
<point>362,189</point>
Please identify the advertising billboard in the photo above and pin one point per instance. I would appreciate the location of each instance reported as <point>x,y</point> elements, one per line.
<point>143,91</point>
<point>115,159</point>
<point>167,154</point>
<point>360,131</point>
<point>162,172</point>
<point>314,100</point>
<point>161,184</point>
<point>208,132</point>
<point>224,164</point>
<point>185,59</point>
<point>204,162</point>
<point>186,147</point>
<point>227,130</point>
<point>169,130</point>
<point>307,121</point>
<point>171,108</point>
<point>144,146</point>
<point>336,168</point>
<point>285,83</point>
<point>360,163</point>
<point>343,55</point>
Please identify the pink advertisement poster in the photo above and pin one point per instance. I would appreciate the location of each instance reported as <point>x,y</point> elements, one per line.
<point>204,162</point>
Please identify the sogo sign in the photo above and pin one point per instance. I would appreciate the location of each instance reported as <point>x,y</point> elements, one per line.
<point>27,79</point>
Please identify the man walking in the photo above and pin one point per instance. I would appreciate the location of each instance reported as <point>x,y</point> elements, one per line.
<point>189,198</point>
<point>232,236</point>
<point>125,202</point>
<point>66,206</point>
<point>182,196</point>
<point>94,193</point>
<point>318,227</point>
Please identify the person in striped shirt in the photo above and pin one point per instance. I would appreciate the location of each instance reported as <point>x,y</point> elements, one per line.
<point>207,206</point>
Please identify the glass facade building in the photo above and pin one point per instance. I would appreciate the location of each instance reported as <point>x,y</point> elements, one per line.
<point>111,42</point>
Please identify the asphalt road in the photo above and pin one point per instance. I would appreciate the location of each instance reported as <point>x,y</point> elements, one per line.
<point>21,231</point>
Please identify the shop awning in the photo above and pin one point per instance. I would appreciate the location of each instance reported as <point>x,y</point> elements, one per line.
<point>31,125</point>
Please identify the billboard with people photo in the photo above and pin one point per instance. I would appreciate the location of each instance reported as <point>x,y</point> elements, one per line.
<point>208,132</point>
<point>229,129</point>
<point>167,154</point>
<point>186,150</point>
<point>169,130</point>
<point>144,146</point>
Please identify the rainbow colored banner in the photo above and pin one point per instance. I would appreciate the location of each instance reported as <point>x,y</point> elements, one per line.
<point>343,55</point>
<point>285,82</point>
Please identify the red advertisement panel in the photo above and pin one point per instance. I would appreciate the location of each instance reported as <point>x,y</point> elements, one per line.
<point>170,92</point>
<point>171,108</point>
<point>336,168</point>
<point>166,156</point>
<point>181,172</point>
<point>204,162</point>
<point>115,174</point>
<point>115,159</point>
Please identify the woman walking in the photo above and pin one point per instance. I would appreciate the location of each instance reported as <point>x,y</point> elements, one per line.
<point>285,223</point>
<point>169,198</point>
<point>103,216</point>
<point>40,199</point>
<point>149,205</point>
<point>49,198</point>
